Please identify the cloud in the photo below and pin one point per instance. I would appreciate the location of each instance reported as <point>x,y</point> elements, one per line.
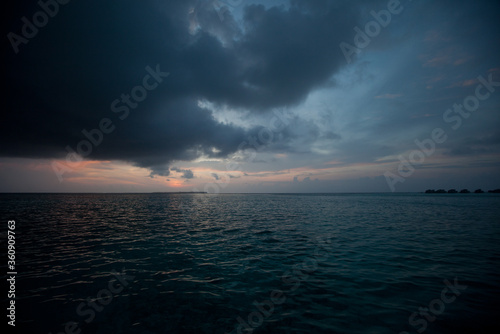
<point>274,57</point>
<point>256,60</point>
<point>305,180</point>
<point>186,173</point>
<point>488,143</point>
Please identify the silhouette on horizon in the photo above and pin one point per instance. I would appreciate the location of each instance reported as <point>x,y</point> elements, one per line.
<point>463,191</point>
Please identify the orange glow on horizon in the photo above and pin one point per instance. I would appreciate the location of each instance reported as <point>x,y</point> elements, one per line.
<point>174,183</point>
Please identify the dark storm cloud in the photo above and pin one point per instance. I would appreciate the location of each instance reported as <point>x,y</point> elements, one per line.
<point>89,54</point>
<point>186,173</point>
<point>64,79</point>
<point>289,52</point>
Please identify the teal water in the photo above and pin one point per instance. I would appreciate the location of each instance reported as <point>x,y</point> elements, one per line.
<point>275,263</point>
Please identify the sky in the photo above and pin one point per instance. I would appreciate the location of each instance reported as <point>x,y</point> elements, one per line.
<point>250,96</point>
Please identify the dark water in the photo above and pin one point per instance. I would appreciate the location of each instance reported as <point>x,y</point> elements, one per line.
<point>195,263</point>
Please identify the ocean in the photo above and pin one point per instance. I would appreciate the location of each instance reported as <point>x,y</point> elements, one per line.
<point>254,263</point>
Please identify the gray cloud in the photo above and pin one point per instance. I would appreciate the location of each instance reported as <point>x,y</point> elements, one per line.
<point>186,173</point>
<point>64,80</point>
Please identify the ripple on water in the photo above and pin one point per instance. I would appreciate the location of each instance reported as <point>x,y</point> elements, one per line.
<point>386,256</point>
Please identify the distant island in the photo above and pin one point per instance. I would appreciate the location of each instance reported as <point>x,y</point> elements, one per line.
<point>463,191</point>
<point>180,192</point>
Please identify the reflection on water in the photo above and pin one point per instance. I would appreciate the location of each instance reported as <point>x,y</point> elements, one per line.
<point>204,263</point>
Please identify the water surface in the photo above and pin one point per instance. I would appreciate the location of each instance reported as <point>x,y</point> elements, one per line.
<point>351,263</point>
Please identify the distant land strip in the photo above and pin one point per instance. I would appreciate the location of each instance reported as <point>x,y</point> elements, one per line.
<point>463,191</point>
